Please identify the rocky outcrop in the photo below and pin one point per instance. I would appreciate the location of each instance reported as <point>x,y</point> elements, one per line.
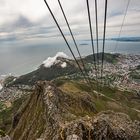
<point>105,125</point>
<point>49,115</point>
<point>5,138</point>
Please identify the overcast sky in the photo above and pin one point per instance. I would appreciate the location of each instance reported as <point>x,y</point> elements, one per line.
<point>29,21</point>
<point>28,34</point>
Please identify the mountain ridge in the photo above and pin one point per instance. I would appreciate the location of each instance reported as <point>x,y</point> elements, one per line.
<point>55,125</point>
<point>65,107</point>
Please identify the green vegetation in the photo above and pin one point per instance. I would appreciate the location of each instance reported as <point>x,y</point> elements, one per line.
<point>31,114</point>
<point>111,58</point>
<point>6,119</point>
<point>138,67</point>
<point>6,115</point>
<point>118,101</point>
<point>2,106</point>
<point>58,82</point>
<point>135,73</point>
<point>2,133</point>
<point>43,73</point>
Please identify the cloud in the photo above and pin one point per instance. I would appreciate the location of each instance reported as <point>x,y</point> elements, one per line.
<point>53,60</point>
<point>22,22</point>
<point>1,87</point>
<point>31,20</point>
<point>8,38</point>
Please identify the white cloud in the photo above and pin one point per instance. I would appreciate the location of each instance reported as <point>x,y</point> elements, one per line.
<point>1,87</point>
<point>36,13</point>
<point>63,65</point>
<point>31,9</point>
<point>53,60</point>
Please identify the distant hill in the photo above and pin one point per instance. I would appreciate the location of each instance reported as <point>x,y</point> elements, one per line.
<point>110,58</point>
<point>131,39</point>
<point>56,70</point>
<point>48,73</point>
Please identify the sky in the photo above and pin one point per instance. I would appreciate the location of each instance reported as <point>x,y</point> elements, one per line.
<point>28,34</point>
<point>29,21</point>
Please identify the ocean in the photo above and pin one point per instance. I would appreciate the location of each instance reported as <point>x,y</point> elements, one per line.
<point>21,59</point>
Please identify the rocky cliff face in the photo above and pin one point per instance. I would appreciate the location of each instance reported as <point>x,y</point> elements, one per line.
<point>105,125</point>
<point>51,114</point>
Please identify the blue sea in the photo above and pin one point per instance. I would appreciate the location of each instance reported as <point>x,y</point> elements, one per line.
<point>21,59</point>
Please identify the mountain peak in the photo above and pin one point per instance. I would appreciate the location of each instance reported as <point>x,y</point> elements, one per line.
<point>51,68</point>
<point>55,60</point>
